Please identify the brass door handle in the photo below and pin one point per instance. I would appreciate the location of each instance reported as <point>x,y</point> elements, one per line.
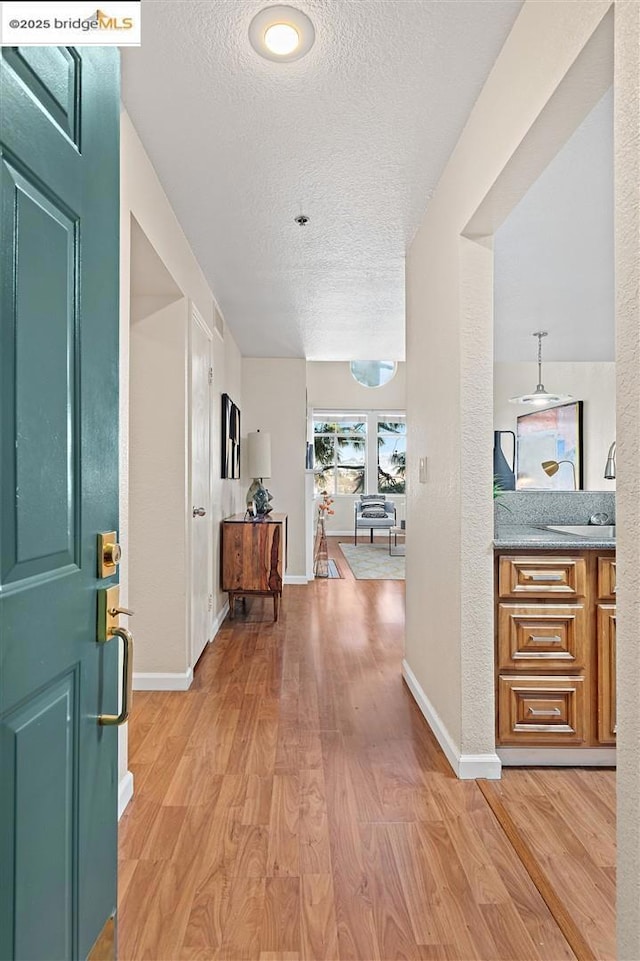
<point>127,678</point>
<point>199,512</point>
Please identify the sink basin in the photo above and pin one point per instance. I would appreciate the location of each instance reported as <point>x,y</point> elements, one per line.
<point>587,530</point>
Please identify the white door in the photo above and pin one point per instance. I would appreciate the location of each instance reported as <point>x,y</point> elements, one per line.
<point>201,519</point>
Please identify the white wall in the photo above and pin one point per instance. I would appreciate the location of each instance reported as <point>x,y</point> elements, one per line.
<point>504,147</point>
<point>273,400</point>
<point>142,197</point>
<point>553,255</point>
<point>331,385</point>
<point>627,178</point>
<point>158,561</point>
<point>594,384</point>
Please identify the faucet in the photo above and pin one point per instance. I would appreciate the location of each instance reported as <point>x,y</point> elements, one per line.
<point>610,467</point>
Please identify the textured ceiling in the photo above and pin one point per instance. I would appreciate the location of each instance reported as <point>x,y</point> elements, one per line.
<point>554,254</point>
<point>354,135</point>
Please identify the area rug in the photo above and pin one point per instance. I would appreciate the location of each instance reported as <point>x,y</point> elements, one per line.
<point>332,570</point>
<point>370,562</point>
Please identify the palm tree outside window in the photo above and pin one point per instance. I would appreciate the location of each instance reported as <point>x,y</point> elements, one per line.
<point>358,453</point>
<point>340,455</point>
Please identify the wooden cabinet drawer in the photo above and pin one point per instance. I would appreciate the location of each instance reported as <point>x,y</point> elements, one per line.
<point>542,576</point>
<point>541,710</point>
<point>607,674</point>
<point>607,578</point>
<point>542,636</point>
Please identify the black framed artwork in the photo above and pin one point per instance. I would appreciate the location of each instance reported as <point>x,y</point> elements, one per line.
<point>230,439</point>
<point>549,449</point>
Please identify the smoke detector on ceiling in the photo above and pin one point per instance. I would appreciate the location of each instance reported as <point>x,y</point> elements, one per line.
<point>281,33</point>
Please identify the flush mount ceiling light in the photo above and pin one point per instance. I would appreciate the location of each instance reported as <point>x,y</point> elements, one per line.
<point>281,33</point>
<point>540,396</point>
<point>373,373</point>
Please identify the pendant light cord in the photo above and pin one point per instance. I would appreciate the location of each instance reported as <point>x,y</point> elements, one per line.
<point>540,334</point>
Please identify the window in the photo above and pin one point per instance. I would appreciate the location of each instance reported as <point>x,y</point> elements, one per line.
<point>363,452</point>
<point>392,456</point>
<point>340,447</point>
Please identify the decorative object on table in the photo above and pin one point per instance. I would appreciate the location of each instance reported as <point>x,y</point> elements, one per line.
<point>372,562</point>
<point>540,396</point>
<point>259,467</point>
<point>503,475</point>
<point>254,558</point>
<point>230,434</point>
<point>373,512</point>
<point>610,466</point>
<point>546,437</point>
<point>320,549</point>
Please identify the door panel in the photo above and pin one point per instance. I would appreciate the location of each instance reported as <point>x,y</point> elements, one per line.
<point>39,510</point>
<point>52,75</point>
<point>41,740</point>
<point>201,530</point>
<point>58,489</point>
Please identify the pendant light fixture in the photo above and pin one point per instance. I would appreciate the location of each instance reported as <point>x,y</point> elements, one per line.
<point>540,396</point>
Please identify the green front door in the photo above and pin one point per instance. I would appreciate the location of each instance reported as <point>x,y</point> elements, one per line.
<point>58,489</point>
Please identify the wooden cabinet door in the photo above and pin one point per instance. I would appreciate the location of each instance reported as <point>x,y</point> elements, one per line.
<point>252,557</point>
<point>607,578</point>
<point>607,674</point>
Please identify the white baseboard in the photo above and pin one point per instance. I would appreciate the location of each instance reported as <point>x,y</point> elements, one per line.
<point>125,792</point>
<point>171,681</point>
<point>474,766</point>
<point>558,756</point>
<point>219,619</point>
<point>296,579</point>
<point>465,766</point>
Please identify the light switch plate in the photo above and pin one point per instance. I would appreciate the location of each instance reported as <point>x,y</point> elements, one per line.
<point>422,470</point>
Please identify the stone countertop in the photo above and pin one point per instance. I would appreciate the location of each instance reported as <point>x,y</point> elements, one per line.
<point>514,536</point>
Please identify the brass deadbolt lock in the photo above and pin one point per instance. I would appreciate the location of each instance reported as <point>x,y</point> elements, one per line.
<point>109,553</point>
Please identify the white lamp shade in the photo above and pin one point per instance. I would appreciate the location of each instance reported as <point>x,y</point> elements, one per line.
<point>259,454</point>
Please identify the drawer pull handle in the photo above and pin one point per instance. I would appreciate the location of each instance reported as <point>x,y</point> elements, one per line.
<point>553,712</point>
<point>545,576</point>
<point>551,639</point>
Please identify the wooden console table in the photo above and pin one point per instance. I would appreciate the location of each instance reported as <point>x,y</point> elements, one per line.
<point>254,557</point>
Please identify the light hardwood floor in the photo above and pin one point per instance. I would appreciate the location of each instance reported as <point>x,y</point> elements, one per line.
<point>294,805</point>
<point>567,819</point>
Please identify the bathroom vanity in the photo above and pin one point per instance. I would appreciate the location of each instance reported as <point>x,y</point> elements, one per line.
<point>555,633</point>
